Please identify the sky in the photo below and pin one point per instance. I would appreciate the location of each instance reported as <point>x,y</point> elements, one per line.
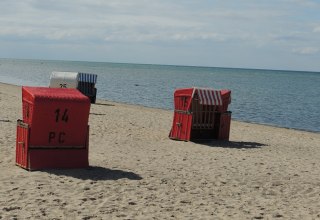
<point>263,34</point>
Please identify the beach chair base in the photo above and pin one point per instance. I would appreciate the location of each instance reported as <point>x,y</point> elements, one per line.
<point>37,158</point>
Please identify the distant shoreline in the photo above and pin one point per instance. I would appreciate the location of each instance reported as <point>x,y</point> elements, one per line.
<point>169,65</point>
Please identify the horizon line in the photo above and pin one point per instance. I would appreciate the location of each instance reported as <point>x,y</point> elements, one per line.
<point>158,64</point>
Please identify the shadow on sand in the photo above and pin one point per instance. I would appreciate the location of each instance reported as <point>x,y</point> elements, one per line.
<point>92,113</point>
<point>105,104</point>
<point>5,120</point>
<point>231,144</point>
<point>94,173</point>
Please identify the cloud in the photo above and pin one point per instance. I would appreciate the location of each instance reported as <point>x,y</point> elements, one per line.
<point>308,3</point>
<point>116,21</point>
<point>306,50</point>
<point>316,29</point>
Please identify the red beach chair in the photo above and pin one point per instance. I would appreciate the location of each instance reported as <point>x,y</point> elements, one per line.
<point>54,132</point>
<point>201,113</point>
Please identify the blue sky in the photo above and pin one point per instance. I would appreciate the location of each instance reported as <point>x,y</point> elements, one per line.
<point>267,34</point>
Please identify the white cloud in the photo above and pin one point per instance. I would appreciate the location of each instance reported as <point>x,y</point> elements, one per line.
<point>316,29</point>
<point>123,21</point>
<point>306,50</point>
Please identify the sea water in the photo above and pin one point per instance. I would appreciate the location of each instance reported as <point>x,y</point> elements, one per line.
<point>289,99</point>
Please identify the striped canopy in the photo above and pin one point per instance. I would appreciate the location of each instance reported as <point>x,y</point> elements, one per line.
<point>88,77</point>
<point>208,96</point>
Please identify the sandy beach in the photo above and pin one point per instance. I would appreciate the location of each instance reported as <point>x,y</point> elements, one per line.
<point>137,172</point>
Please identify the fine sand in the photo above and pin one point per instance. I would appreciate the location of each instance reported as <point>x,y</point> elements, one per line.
<point>137,172</point>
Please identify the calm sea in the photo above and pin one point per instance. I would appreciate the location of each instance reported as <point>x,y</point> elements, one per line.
<point>281,98</point>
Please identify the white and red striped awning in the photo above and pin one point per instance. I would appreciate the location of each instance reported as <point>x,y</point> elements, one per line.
<point>208,96</point>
